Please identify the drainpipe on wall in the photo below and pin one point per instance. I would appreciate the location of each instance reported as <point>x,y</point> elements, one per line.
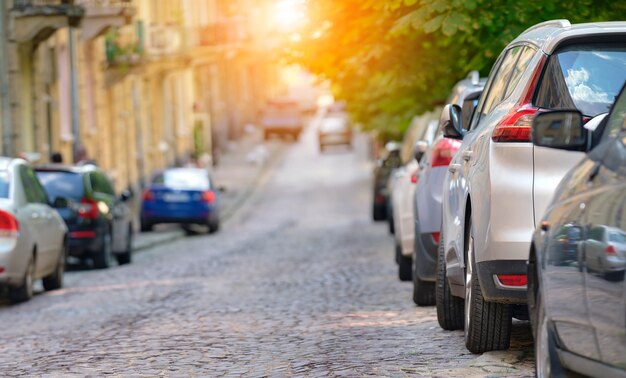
<point>74,94</point>
<point>5,101</point>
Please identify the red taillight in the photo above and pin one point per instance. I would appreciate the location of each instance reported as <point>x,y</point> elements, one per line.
<point>1,269</point>
<point>436,237</point>
<point>88,209</point>
<point>379,198</point>
<point>513,279</point>
<point>9,226</point>
<point>516,126</point>
<point>415,177</point>
<point>82,234</point>
<point>208,196</point>
<point>610,250</point>
<point>147,195</point>
<point>444,151</point>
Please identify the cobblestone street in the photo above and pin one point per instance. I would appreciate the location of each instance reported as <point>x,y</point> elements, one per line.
<point>299,282</point>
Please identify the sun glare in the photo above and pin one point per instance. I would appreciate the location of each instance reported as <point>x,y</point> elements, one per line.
<point>289,14</point>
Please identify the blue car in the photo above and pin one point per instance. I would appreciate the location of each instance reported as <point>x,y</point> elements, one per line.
<point>181,195</point>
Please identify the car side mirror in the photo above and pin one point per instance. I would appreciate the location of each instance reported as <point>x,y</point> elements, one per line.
<point>60,203</point>
<point>450,122</point>
<point>560,129</point>
<point>419,150</point>
<point>126,195</point>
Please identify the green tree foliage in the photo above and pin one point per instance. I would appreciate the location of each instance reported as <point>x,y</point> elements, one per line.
<point>392,59</point>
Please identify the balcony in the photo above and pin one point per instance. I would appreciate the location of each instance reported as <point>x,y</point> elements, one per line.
<point>164,40</point>
<point>101,15</point>
<point>225,32</point>
<point>124,47</point>
<point>36,20</point>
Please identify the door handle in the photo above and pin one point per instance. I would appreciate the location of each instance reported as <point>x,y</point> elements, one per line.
<point>467,155</point>
<point>454,167</point>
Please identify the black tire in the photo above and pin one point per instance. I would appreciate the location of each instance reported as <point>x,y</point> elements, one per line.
<point>405,267</point>
<point>24,292</point>
<point>449,307</point>
<point>55,280</point>
<point>102,259</point>
<point>379,213</point>
<point>214,226</point>
<point>146,226</point>
<point>126,257</point>
<point>423,291</point>
<point>391,222</point>
<point>487,324</point>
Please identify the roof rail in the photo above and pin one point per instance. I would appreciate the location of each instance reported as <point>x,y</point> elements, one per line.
<point>474,76</point>
<point>562,23</point>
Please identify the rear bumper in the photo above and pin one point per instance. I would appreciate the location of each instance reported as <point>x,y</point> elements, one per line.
<point>335,139</point>
<point>80,246</point>
<point>492,289</point>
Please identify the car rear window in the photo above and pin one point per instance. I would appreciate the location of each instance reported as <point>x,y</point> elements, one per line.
<point>62,184</point>
<point>4,184</point>
<point>333,124</point>
<point>584,77</point>
<point>191,179</point>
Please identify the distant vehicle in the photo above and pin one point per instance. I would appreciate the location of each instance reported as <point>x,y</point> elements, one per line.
<point>576,292</point>
<point>382,171</point>
<point>33,237</point>
<point>181,195</point>
<point>429,193</point>
<point>282,117</point>
<point>334,130</point>
<point>499,183</point>
<point>100,223</point>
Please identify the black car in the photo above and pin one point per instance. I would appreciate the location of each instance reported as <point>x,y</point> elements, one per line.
<point>576,291</point>
<point>383,170</point>
<point>100,223</point>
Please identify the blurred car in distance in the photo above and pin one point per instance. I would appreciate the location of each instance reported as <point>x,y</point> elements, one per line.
<point>577,302</point>
<point>99,221</point>
<point>382,172</point>
<point>181,195</point>
<point>429,192</point>
<point>33,237</point>
<point>334,130</point>
<point>282,117</point>
<point>499,184</point>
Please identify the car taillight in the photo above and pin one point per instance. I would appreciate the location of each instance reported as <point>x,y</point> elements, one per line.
<point>436,237</point>
<point>9,226</point>
<point>513,279</point>
<point>147,195</point>
<point>88,209</point>
<point>208,196</point>
<point>610,250</point>
<point>444,151</point>
<point>516,126</point>
<point>415,177</point>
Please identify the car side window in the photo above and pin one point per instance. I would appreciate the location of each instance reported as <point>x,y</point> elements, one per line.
<point>35,193</point>
<point>522,63</point>
<point>100,184</point>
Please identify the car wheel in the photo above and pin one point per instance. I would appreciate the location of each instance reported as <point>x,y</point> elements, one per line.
<point>487,324</point>
<point>392,224</point>
<point>102,259</point>
<point>55,280</point>
<point>214,226</point>
<point>24,292</point>
<point>449,307</point>
<point>127,256</point>
<point>405,265</point>
<point>146,226</point>
<point>423,291</point>
<point>378,212</point>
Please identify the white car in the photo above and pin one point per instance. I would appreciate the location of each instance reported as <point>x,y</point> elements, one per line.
<point>499,184</point>
<point>33,237</point>
<point>403,191</point>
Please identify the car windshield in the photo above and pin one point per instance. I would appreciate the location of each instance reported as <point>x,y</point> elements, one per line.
<point>585,77</point>
<point>62,184</point>
<point>191,178</point>
<point>4,184</point>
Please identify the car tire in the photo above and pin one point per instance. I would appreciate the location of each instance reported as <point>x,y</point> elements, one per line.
<point>378,213</point>
<point>146,226</point>
<point>126,257</point>
<point>449,307</point>
<point>405,267</point>
<point>24,292</point>
<point>102,259</point>
<point>423,291</point>
<point>55,280</point>
<point>391,223</point>
<point>214,226</point>
<point>487,324</point>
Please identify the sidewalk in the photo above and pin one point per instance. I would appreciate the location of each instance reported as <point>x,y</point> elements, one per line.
<point>240,168</point>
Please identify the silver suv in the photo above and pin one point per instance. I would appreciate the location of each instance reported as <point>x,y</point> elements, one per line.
<point>499,184</point>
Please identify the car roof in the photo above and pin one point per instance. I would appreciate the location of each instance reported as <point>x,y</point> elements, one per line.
<point>66,168</point>
<point>548,35</point>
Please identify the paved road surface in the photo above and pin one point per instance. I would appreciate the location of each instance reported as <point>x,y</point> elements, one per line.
<point>298,282</point>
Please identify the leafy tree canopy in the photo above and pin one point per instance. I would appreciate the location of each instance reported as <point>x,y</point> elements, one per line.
<point>393,59</point>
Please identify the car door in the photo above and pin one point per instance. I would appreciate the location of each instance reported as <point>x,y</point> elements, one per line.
<point>604,254</point>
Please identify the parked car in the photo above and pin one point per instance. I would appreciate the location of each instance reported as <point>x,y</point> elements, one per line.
<point>429,192</point>
<point>334,130</point>
<point>33,237</point>
<point>181,195</point>
<point>577,302</point>
<point>417,140</point>
<point>382,172</point>
<point>499,185</point>
<point>99,221</point>
<point>282,117</point>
